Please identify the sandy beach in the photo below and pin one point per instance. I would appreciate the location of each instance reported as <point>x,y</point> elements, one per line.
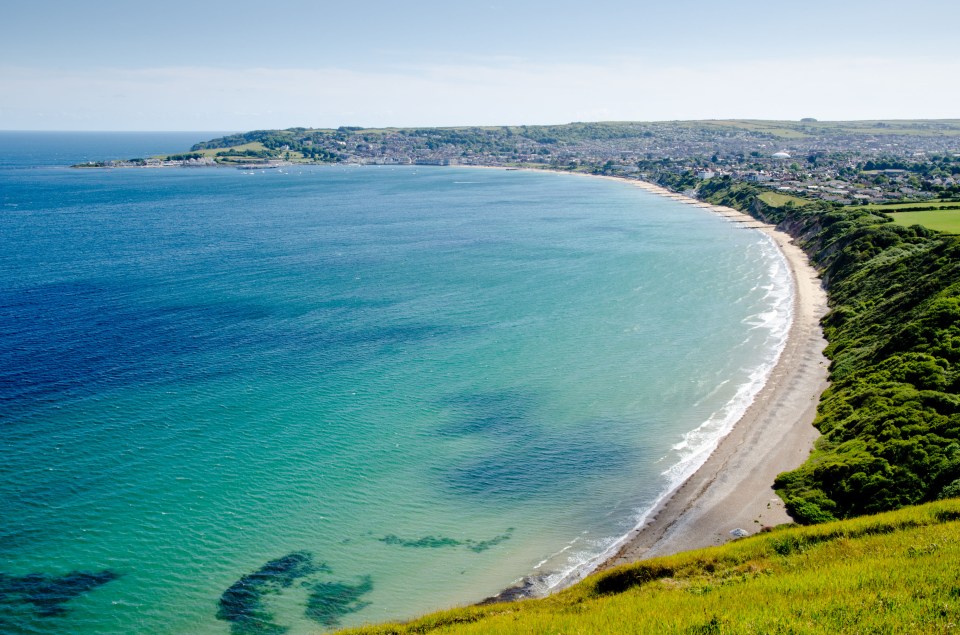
<point>732,490</point>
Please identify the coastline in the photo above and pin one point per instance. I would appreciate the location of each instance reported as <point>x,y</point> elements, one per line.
<point>732,492</point>
<point>733,489</point>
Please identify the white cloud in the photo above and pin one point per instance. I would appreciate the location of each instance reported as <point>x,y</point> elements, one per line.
<point>496,92</point>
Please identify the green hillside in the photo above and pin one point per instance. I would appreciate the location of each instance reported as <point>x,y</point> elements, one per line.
<point>589,142</point>
<point>891,418</point>
<point>896,572</point>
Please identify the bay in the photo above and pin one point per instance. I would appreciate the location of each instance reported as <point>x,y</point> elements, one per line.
<point>322,396</point>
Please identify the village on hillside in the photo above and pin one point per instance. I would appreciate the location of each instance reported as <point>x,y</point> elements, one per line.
<point>841,162</point>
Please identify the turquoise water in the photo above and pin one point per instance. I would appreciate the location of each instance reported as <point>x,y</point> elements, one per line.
<point>326,396</point>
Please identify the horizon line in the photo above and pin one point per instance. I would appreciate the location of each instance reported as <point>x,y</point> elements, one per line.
<point>515,125</point>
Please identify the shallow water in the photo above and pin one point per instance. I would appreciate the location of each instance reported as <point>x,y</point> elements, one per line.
<point>325,396</point>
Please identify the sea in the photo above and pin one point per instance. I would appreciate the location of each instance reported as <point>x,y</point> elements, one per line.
<point>304,398</point>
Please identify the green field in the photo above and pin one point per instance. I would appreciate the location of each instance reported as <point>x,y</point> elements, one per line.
<point>212,152</point>
<point>897,207</point>
<point>898,572</point>
<point>947,221</point>
<point>782,129</point>
<point>774,199</point>
<point>796,129</point>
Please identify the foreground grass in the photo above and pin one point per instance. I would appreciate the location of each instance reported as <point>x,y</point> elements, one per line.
<point>947,220</point>
<point>892,573</point>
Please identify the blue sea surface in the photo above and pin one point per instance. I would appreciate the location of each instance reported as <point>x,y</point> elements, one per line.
<point>313,397</point>
<point>30,149</point>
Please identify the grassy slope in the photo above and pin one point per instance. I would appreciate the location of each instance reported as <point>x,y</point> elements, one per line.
<point>891,573</point>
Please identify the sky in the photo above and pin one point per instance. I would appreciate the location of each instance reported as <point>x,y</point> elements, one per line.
<point>241,65</point>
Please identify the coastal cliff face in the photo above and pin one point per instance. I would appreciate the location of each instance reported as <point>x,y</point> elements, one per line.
<point>891,419</point>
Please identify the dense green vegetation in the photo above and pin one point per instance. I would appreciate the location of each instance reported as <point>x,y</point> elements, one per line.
<point>184,157</point>
<point>891,418</point>
<point>893,573</point>
<point>927,172</point>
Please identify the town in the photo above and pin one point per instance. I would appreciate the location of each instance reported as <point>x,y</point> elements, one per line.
<point>847,163</point>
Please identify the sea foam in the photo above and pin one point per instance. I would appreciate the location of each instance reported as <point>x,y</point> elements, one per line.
<point>695,447</point>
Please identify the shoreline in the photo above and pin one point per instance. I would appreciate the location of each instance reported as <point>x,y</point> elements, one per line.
<point>731,493</point>
<point>733,489</point>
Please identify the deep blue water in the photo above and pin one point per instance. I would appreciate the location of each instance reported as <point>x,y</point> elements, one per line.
<point>30,149</point>
<point>323,396</point>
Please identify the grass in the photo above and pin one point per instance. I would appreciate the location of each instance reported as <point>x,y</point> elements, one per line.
<point>797,129</point>
<point>892,573</point>
<point>896,207</point>
<point>773,199</point>
<point>947,221</point>
<point>212,152</point>
<point>782,129</point>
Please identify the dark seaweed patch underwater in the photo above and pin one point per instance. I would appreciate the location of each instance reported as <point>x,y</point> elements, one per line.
<point>243,603</point>
<point>329,601</point>
<point>438,542</point>
<point>527,457</point>
<point>47,594</point>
